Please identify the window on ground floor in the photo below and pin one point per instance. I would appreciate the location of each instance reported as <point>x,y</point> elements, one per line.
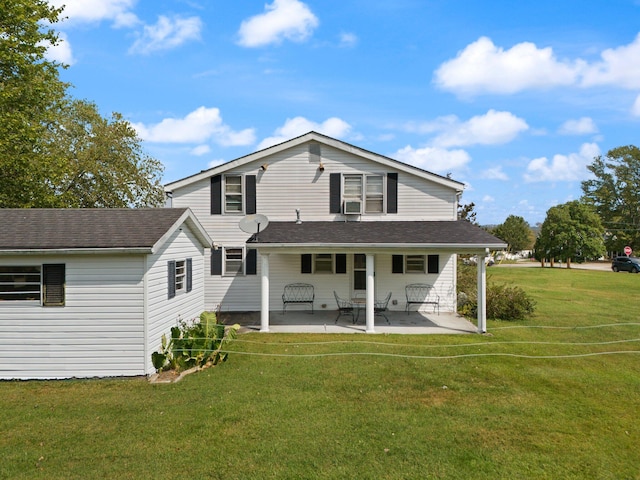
<point>36,283</point>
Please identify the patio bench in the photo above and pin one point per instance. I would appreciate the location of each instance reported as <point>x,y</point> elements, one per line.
<point>298,293</point>
<point>421,294</point>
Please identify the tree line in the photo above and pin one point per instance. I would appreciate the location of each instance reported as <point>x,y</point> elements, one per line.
<point>605,219</point>
<point>56,150</point>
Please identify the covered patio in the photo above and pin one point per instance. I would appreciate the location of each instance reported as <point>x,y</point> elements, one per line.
<point>371,239</point>
<point>324,321</point>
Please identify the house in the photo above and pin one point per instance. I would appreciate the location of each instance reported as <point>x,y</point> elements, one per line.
<point>90,292</point>
<point>320,211</point>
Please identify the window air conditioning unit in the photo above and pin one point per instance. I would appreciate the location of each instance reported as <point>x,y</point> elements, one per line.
<point>352,207</point>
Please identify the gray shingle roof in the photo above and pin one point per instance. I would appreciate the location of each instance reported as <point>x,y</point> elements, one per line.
<point>54,229</point>
<point>419,233</point>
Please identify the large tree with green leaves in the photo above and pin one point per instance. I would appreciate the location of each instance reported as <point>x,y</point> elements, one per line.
<point>31,94</point>
<point>614,192</point>
<point>99,162</point>
<point>516,232</point>
<point>56,151</point>
<point>570,232</point>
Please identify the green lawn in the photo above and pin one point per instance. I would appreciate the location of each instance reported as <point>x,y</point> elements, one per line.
<point>535,401</point>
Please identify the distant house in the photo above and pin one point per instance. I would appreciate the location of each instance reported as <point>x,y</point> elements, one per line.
<point>89,292</point>
<point>340,218</point>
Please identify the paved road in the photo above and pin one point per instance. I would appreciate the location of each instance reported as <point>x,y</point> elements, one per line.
<point>604,266</point>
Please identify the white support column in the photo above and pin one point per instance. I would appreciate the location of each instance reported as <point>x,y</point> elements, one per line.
<point>264,293</point>
<point>369,311</point>
<point>482,294</point>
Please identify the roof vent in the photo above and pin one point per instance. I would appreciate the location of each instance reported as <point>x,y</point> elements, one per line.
<point>298,221</point>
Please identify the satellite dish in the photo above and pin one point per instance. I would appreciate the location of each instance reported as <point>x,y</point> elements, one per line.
<point>253,223</point>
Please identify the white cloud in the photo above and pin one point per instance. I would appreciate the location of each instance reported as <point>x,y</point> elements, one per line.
<point>570,167</point>
<point>83,11</point>
<point>201,125</point>
<point>491,128</point>
<point>635,109</point>
<point>619,66</point>
<point>61,52</point>
<point>437,160</point>
<point>283,19</point>
<point>348,40</point>
<point>494,173</point>
<point>581,126</point>
<point>484,67</point>
<point>200,150</point>
<point>488,199</point>
<point>167,33</point>
<point>294,127</point>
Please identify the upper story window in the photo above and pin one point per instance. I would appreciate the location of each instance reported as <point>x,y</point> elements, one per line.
<point>353,193</point>
<point>233,194</point>
<point>367,189</point>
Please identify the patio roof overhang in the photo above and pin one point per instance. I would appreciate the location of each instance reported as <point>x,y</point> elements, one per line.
<point>456,236</point>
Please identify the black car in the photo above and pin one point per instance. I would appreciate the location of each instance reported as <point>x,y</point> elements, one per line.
<point>626,264</point>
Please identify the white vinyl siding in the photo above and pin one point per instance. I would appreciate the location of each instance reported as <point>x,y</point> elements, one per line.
<point>113,317</point>
<point>98,332</point>
<point>293,182</point>
<point>164,313</point>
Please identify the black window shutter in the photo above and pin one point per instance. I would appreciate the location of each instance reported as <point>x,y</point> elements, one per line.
<point>189,274</point>
<point>392,193</point>
<point>250,199</point>
<point>216,195</point>
<point>397,264</point>
<point>306,260</point>
<point>216,262</point>
<point>171,278</point>
<point>252,261</point>
<point>433,263</point>
<point>335,185</point>
<point>53,277</point>
<point>341,263</point>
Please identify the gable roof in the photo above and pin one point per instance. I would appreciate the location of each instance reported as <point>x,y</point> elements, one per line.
<point>324,140</point>
<point>451,234</point>
<point>93,230</point>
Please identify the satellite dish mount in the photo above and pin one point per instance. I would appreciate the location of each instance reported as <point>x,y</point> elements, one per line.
<point>254,224</point>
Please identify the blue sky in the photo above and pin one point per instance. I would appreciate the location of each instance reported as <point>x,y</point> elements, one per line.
<point>512,98</point>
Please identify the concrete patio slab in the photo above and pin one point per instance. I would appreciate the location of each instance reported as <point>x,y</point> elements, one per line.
<point>324,321</point>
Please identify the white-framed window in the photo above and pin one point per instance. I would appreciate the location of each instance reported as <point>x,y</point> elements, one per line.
<point>414,264</point>
<point>374,194</point>
<point>20,283</point>
<point>181,275</point>
<point>233,194</point>
<point>233,261</point>
<point>323,263</point>
<point>44,284</point>
<point>368,189</point>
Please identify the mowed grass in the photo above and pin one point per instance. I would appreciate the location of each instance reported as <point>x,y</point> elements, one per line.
<point>556,396</point>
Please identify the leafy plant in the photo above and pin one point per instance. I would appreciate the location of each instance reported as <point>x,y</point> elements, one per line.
<point>194,344</point>
<point>504,302</point>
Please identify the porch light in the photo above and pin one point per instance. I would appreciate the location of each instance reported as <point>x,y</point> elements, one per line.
<point>264,166</point>
<point>321,167</point>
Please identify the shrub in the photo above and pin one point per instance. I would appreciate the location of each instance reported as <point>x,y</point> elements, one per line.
<point>504,302</point>
<point>195,343</point>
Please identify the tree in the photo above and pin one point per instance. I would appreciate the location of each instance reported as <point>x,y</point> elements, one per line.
<point>99,162</point>
<point>516,232</point>
<point>56,151</point>
<point>467,212</point>
<point>615,195</point>
<point>30,96</point>
<point>571,231</point>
